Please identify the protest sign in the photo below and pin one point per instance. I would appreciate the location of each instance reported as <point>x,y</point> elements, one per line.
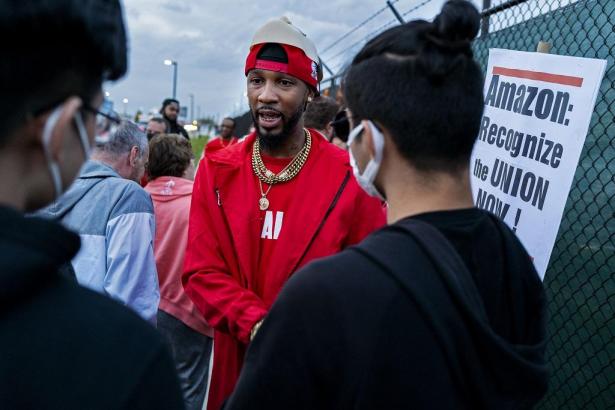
<point>537,113</point>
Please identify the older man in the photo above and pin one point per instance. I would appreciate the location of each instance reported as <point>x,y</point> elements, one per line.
<point>115,219</point>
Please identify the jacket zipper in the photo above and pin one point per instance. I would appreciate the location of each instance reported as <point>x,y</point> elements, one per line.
<point>229,231</point>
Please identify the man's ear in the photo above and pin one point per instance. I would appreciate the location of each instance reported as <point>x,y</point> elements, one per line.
<point>367,138</point>
<point>133,156</point>
<point>310,95</point>
<point>63,126</point>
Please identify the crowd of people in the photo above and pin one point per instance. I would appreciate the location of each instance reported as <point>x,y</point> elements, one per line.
<point>332,258</point>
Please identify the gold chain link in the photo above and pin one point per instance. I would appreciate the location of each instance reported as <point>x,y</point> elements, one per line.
<point>289,172</point>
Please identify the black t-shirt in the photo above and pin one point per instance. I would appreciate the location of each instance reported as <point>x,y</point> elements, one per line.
<point>346,332</point>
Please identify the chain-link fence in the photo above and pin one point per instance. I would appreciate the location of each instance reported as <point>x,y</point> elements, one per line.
<point>580,280</point>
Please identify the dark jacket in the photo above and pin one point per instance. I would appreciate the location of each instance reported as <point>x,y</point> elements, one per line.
<point>66,347</point>
<point>398,322</point>
<point>174,128</point>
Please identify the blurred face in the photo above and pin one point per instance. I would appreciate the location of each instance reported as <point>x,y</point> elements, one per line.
<point>226,128</point>
<point>154,128</point>
<point>277,102</point>
<point>171,111</point>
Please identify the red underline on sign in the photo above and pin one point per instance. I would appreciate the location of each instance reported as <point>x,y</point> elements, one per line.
<point>539,76</point>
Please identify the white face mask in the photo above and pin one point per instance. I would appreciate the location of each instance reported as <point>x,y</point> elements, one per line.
<point>366,180</point>
<point>52,165</point>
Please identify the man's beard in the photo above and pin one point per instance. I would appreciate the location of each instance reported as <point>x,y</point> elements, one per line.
<point>270,141</point>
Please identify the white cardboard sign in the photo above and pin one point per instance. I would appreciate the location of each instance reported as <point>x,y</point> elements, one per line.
<point>537,113</point>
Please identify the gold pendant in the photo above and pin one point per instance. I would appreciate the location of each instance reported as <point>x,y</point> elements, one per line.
<point>263,203</point>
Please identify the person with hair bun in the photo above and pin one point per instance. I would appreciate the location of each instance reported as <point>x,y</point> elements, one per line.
<point>441,309</point>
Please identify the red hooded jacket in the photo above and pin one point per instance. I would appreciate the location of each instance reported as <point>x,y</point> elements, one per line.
<point>222,258</point>
<point>217,144</point>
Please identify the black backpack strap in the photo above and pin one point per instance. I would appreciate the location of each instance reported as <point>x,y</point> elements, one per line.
<point>448,262</point>
<point>431,273</point>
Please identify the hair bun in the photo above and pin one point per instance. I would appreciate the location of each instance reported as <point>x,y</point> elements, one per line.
<point>459,20</point>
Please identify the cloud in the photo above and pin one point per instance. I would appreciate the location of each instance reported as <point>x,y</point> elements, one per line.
<point>177,6</point>
<point>210,39</point>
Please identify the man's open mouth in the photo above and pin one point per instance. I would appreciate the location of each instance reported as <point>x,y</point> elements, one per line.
<point>269,118</point>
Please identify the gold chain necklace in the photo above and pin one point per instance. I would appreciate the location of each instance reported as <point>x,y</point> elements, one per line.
<point>289,172</point>
<point>263,202</point>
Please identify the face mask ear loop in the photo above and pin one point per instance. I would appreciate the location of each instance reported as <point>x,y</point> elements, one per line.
<point>354,133</point>
<point>378,139</point>
<point>54,169</point>
<point>83,135</point>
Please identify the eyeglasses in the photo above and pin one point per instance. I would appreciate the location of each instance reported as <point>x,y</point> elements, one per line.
<point>107,121</point>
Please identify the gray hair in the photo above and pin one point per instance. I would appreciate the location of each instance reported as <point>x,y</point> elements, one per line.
<point>127,135</point>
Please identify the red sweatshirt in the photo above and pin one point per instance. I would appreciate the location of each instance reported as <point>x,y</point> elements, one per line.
<point>239,257</point>
<point>171,198</point>
<point>219,143</point>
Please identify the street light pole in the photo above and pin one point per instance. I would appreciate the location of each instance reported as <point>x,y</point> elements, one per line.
<point>174,64</point>
<point>192,107</point>
<point>125,101</point>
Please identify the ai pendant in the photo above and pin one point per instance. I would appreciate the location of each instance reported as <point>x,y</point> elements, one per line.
<point>263,203</point>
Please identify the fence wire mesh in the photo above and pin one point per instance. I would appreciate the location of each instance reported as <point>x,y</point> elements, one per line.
<point>580,280</point>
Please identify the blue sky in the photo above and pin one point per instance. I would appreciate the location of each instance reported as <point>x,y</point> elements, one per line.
<point>210,40</point>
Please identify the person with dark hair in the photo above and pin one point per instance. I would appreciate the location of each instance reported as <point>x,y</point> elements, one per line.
<point>225,139</point>
<point>341,129</point>
<point>63,346</point>
<point>170,173</point>
<point>155,126</point>
<point>319,115</point>
<point>263,208</point>
<point>443,308</point>
<point>170,112</point>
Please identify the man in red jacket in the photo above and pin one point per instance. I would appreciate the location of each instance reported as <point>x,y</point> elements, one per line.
<point>265,207</point>
<point>225,139</point>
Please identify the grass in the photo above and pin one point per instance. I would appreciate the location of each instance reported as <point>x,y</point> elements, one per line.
<point>198,144</point>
